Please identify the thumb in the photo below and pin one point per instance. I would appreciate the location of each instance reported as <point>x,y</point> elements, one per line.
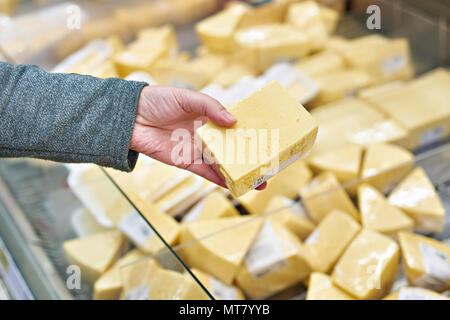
<point>204,105</point>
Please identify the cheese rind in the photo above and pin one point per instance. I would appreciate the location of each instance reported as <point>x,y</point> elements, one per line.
<point>321,287</point>
<point>272,131</point>
<point>417,197</point>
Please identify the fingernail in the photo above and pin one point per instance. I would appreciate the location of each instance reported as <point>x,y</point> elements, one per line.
<point>227,116</point>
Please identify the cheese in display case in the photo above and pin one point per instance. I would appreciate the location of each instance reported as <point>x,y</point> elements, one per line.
<point>217,288</point>
<point>273,115</point>
<point>426,261</point>
<point>412,293</point>
<point>94,254</point>
<point>214,205</point>
<point>368,267</point>
<point>330,238</point>
<point>417,197</point>
<point>325,194</point>
<point>274,262</point>
<point>321,287</point>
<point>377,214</point>
<point>323,62</point>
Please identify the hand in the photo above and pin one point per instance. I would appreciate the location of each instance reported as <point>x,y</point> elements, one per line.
<point>162,110</point>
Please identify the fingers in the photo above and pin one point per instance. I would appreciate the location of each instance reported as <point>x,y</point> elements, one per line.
<point>206,172</point>
<point>262,186</point>
<point>204,105</point>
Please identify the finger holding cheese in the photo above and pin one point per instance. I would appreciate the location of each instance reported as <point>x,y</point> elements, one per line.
<point>368,267</point>
<point>290,215</point>
<point>426,261</point>
<point>273,115</point>
<point>217,288</point>
<point>377,214</point>
<point>219,245</point>
<point>95,253</point>
<point>417,196</point>
<point>385,165</point>
<point>328,241</point>
<point>214,205</point>
<point>273,262</point>
<point>321,287</point>
<point>325,194</point>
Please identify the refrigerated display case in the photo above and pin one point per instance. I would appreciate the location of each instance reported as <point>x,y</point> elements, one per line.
<point>45,204</point>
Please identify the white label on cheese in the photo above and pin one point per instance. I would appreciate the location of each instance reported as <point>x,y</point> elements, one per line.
<point>313,237</point>
<point>432,135</point>
<point>414,294</point>
<point>222,291</point>
<point>437,268</point>
<point>139,293</point>
<point>266,254</point>
<point>393,63</point>
<point>194,213</point>
<point>275,170</point>
<point>135,227</point>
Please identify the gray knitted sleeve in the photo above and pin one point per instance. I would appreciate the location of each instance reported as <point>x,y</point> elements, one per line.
<point>67,117</point>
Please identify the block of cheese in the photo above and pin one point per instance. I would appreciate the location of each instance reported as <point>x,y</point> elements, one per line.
<point>327,242</point>
<point>387,130</point>
<point>215,205</point>
<point>344,162</point>
<point>290,215</point>
<point>384,165</point>
<point>321,287</point>
<point>273,262</point>
<point>271,43</point>
<point>417,196</point>
<point>325,194</point>
<point>244,161</point>
<point>109,285</point>
<point>217,288</point>
<point>267,12</point>
<point>421,107</point>
<point>377,214</point>
<point>94,254</point>
<point>324,62</point>
<point>411,293</point>
<point>231,74</point>
<point>141,55</point>
<point>216,31</point>
<point>368,267</point>
<point>222,253</point>
<point>426,261</point>
<point>340,84</point>
<point>286,183</point>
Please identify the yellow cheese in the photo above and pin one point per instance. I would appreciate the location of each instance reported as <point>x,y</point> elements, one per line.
<point>109,285</point>
<point>320,63</point>
<point>217,288</point>
<point>344,162</point>
<point>286,132</point>
<point>417,196</point>
<point>286,183</point>
<point>321,287</point>
<point>270,12</point>
<point>340,84</point>
<point>388,130</point>
<point>425,261</point>
<point>273,262</point>
<point>325,194</point>
<point>410,293</point>
<point>368,267</point>
<point>221,253</point>
<point>95,253</point>
<point>380,90</point>
<point>378,215</point>
<point>214,205</point>
<point>105,70</point>
<point>8,6</point>
<point>270,43</point>
<point>384,165</point>
<point>421,107</point>
<point>216,32</point>
<point>327,242</point>
<point>290,215</point>
<point>231,74</point>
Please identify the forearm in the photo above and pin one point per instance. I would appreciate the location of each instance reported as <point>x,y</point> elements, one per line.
<point>68,118</point>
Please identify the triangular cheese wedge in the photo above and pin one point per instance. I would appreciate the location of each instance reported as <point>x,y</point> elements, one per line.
<point>378,215</point>
<point>94,254</point>
<point>221,245</point>
<point>215,205</point>
<point>109,285</point>
<point>344,162</point>
<point>417,196</point>
<point>321,287</point>
<point>384,165</point>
